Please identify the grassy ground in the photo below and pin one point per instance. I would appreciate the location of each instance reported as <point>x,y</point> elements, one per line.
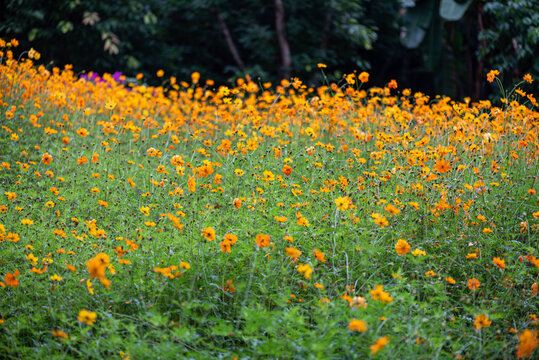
<point>188,221</point>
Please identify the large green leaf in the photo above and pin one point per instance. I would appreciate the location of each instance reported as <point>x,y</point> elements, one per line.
<point>452,10</point>
<point>416,20</point>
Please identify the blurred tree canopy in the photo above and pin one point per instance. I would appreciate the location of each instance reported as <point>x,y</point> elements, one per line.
<point>435,46</point>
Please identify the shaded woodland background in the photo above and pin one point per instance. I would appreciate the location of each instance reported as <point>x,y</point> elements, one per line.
<point>435,46</point>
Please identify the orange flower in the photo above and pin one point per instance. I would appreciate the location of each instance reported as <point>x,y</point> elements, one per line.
<point>491,75</point>
<point>59,334</point>
<point>402,247</point>
<point>11,279</point>
<point>379,294</point>
<point>96,267</point>
<point>382,221</point>
<point>13,237</point>
<point>379,344</point>
<point>473,284</point>
<point>82,160</point>
<point>209,233</point>
<point>363,77</point>
<point>82,132</point>
<point>237,203</point>
<point>357,325</point>
<point>319,255</point>
<point>487,230</point>
<point>301,220</point>
<point>46,158</point>
<point>227,242</point>
<point>262,240</point>
<point>481,321</point>
<point>527,343</point>
<point>499,262</point>
<point>392,84</point>
<point>442,166</point>
<point>192,183</point>
<point>287,170</point>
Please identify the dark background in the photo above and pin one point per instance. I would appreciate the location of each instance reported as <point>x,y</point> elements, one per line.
<point>434,46</point>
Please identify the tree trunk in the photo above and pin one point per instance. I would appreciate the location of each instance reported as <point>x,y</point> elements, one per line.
<point>327,28</point>
<point>286,61</point>
<point>228,39</point>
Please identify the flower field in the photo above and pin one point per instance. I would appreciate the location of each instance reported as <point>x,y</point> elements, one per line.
<point>263,221</point>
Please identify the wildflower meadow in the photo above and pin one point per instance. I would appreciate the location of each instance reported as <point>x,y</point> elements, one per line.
<point>190,220</point>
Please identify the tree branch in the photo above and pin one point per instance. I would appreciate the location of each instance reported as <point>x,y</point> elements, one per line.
<point>327,27</point>
<point>228,39</point>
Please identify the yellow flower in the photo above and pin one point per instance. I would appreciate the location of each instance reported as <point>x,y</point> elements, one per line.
<point>418,252</point>
<point>306,270</point>
<point>292,252</point>
<point>343,203</point>
<point>56,277</point>
<point>88,317</point>
<point>379,294</point>
<point>357,325</point>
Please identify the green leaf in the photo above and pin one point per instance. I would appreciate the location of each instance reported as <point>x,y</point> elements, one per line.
<point>65,26</point>
<point>413,37</point>
<point>32,34</point>
<point>416,20</point>
<point>452,10</point>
